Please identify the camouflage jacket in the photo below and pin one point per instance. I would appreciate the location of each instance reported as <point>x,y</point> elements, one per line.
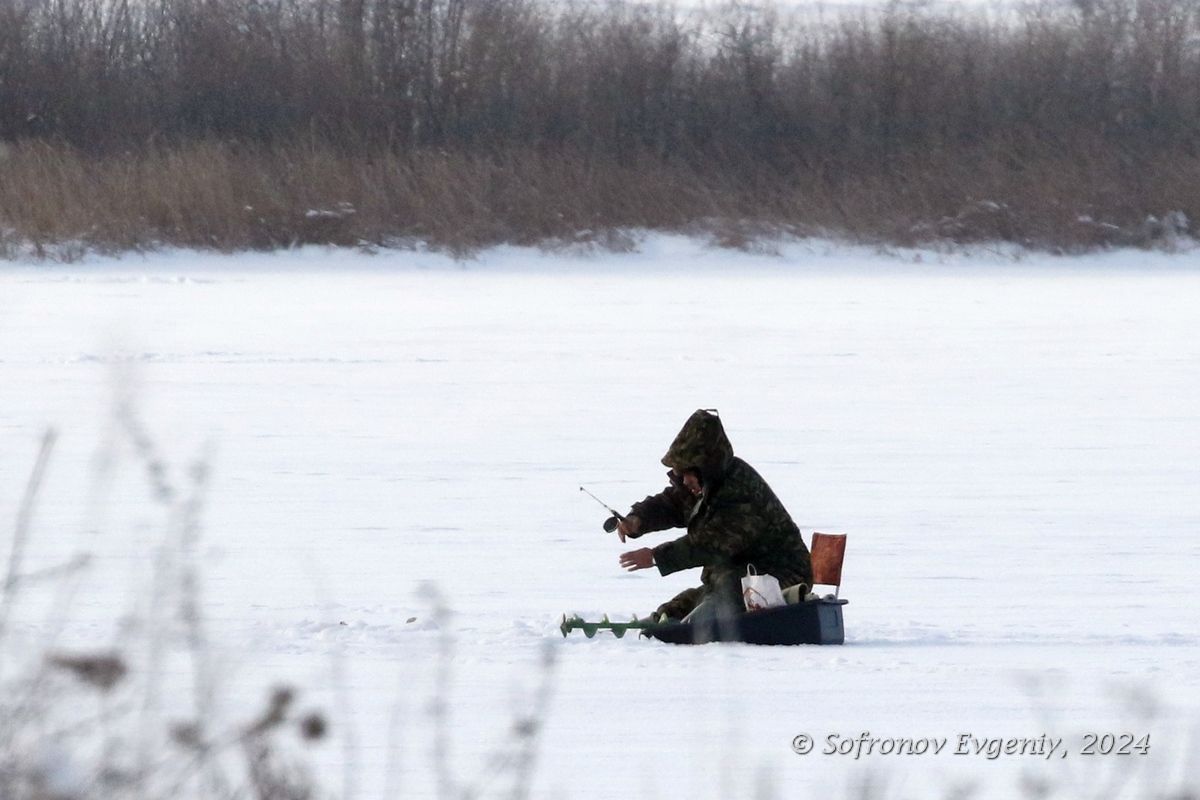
<point>737,520</point>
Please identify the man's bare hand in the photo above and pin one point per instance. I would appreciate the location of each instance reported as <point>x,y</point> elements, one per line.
<point>629,526</point>
<point>638,559</point>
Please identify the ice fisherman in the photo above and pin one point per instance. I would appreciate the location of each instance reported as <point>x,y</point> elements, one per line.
<point>733,520</point>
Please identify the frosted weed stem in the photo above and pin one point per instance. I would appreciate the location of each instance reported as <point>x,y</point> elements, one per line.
<point>440,707</point>
<point>21,531</point>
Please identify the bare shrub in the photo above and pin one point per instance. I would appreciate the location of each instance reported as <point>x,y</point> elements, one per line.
<point>463,123</point>
<point>489,75</point>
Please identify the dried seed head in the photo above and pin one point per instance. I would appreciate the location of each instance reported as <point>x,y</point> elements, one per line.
<point>281,698</point>
<point>188,736</point>
<point>277,710</point>
<point>313,727</point>
<point>103,671</point>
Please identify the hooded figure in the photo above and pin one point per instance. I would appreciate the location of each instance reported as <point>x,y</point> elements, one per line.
<point>733,520</point>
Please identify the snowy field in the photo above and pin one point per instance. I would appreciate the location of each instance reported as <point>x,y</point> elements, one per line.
<point>1012,446</point>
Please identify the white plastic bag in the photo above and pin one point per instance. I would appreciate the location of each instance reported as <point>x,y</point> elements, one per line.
<point>761,591</point>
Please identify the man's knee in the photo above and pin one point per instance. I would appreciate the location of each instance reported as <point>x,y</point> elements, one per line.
<point>681,604</point>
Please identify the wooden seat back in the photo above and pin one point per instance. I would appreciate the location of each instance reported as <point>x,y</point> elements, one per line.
<point>827,553</point>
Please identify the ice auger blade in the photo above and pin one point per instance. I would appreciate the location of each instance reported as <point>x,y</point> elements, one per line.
<point>619,629</point>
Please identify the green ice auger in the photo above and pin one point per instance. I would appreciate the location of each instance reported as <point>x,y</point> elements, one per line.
<point>577,623</point>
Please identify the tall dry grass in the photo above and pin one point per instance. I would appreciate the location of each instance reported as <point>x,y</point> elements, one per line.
<point>58,202</point>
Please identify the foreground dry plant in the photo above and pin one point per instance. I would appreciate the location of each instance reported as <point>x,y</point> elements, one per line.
<point>138,717</point>
<point>99,722</point>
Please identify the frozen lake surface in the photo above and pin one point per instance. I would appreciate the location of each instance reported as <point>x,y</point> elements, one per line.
<point>1012,446</point>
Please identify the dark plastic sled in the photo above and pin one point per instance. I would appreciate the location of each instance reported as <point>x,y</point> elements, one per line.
<point>813,622</point>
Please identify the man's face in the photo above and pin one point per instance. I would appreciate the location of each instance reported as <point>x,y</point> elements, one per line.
<point>692,481</point>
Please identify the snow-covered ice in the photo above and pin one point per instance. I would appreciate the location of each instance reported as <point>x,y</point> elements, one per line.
<point>1011,443</point>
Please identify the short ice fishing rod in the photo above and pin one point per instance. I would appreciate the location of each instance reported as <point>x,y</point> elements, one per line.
<point>612,522</point>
